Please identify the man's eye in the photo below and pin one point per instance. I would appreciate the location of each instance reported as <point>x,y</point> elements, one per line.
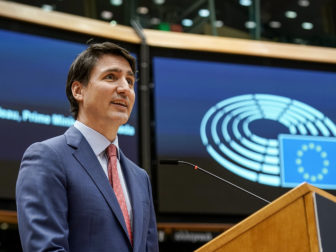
<point>130,82</point>
<point>110,77</point>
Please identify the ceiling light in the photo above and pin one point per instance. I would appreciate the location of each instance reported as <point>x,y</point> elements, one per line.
<point>291,14</point>
<point>187,22</point>
<point>204,13</point>
<point>113,23</point>
<point>142,10</point>
<point>47,7</point>
<point>116,2</point>
<point>299,41</point>
<point>159,2</point>
<point>275,24</point>
<point>307,25</point>
<point>303,3</point>
<point>4,226</point>
<point>250,24</point>
<point>155,21</point>
<point>245,2</point>
<point>219,23</point>
<point>107,15</point>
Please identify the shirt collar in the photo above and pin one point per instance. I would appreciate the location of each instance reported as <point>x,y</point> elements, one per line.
<point>97,141</point>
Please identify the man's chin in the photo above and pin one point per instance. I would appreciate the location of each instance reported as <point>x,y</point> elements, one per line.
<point>120,119</point>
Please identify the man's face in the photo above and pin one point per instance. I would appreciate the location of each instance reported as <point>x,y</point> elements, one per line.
<point>109,96</point>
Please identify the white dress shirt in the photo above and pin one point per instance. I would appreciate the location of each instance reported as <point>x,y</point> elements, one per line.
<point>99,143</point>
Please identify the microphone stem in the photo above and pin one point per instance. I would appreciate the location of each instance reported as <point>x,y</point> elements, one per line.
<point>224,180</point>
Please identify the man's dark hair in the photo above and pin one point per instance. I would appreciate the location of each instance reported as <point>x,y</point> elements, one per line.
<point>82,66</point>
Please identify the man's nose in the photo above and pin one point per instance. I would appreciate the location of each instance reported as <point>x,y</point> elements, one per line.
<point>123,85</point>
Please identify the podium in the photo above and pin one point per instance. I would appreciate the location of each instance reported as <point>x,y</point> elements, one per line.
<point>303,219</point>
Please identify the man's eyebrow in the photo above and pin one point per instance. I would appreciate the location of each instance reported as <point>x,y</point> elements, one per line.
<point>118,70</point>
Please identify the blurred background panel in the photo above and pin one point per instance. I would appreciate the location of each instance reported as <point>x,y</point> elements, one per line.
<point>215,82</point>
<point>308,22</point>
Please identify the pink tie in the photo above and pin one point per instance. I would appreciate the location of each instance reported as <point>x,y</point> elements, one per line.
<point>115,182</point>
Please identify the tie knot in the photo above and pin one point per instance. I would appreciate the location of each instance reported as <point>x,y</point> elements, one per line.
<point>111,150</point>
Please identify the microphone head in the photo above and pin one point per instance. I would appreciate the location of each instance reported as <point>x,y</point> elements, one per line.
<point>169,162</point>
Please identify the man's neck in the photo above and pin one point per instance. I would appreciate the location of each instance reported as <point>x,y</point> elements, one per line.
<point>110,132</point>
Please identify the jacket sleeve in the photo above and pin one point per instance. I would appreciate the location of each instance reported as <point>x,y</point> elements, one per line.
<point>41,200</point>
<point>152,236</point>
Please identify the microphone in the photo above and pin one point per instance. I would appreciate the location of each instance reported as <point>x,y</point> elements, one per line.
<point>169,162</point>
<point>177,162</point>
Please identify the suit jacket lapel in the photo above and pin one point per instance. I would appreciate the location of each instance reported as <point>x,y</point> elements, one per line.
<point>135,195</point>
<point>88,160</point>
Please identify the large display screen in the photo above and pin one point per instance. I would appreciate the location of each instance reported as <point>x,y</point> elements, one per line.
<point>265,128</point>
<point>33,104</point>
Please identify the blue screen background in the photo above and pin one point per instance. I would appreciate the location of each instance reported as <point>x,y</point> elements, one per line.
<point>185,90</point>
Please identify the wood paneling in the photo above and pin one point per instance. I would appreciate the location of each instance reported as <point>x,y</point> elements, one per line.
<point>240,46</point>
<point>167,39</point>
<point>8,217</point>
<point>169,227</point>
<point>67,22</point>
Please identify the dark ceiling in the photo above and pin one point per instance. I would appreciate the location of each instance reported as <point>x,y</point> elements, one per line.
<point>309,21</point>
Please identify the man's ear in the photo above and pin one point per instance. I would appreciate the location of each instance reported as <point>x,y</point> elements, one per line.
<point>77,89</point>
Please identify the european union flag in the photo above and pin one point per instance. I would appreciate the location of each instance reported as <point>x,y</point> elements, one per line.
<point>308,158</point>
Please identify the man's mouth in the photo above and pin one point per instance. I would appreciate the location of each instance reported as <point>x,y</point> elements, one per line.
<point>120,103</point>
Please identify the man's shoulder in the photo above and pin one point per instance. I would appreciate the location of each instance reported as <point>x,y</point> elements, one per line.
<point>57,140</point>
<point>53,144</point>
<point>61,140</point>
<point>53,141</point>
<point>57,143</point>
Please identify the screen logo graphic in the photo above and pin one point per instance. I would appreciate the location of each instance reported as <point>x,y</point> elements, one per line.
<point>304,154</point>
<point>312,159</point>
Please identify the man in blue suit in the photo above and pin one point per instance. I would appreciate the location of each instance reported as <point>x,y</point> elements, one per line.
<point>67,196</point>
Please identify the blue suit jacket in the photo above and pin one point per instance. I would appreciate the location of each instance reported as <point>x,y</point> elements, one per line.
<point>65,201</point>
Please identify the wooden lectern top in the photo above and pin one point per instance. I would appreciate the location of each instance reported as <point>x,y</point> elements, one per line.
<point>286,224</point>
